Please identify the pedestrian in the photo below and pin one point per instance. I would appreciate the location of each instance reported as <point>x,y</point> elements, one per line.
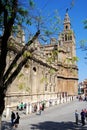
<point>86,115</point>
<point>40,109</point>
<point>43,106</point>
<point>85,111</point>
<point>17,120</point>
<point>35,108</point>
<point>76,117</point>
<point>12,118</point>
<point>82,117</point>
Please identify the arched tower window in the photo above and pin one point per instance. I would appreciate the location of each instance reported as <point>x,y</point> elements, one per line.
<point>66,27</point>
<point>65,37</point>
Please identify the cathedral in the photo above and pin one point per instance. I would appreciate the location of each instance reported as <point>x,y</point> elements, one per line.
<point>51,73</point>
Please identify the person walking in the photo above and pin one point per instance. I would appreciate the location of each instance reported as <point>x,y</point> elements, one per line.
<point>12,118</point>
<point>40,109</point>
<point>76,117</point>
<point>83,117</point>
<point>16,120</point>
<point>43,106</point>
<point>86,115</point>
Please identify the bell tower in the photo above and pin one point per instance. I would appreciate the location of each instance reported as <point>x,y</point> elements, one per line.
<point>67,24</point>
<point>68,37</point>
<point>68,70</point>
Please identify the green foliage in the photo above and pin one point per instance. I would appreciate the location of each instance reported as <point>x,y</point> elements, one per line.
<point>53,56</point>
<point>43,79</point>
<point>23,13</point>
<point>31,2</point>
<point>49,60</point>
<point>75,59</point>
<point>15,65</point>
<point>20,75</point>
<point>48,32</point>
<point>27,89</point>
<point>52,71</point>
<point>55,53</point>
<point>21,86</point>
<point>85,24</point>
<point>83,43</point>
<point>72,60</point>
<point>26,54</point>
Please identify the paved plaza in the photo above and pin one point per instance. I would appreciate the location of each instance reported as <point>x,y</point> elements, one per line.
<point>60,117</point>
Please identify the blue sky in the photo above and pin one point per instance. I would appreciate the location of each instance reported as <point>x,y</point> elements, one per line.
<point>78,13</point>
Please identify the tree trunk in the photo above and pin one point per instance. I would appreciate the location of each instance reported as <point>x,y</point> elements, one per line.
<point>0,122</point>
<point>2,106</point>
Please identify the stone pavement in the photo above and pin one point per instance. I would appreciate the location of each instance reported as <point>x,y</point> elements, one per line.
<point>59,117</point>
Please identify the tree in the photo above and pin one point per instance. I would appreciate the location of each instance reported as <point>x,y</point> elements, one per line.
<point>83,42</point>
<point>10,13</point>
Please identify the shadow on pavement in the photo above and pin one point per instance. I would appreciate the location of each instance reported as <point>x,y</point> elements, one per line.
<point>57,126</point>
<point>6,125</point>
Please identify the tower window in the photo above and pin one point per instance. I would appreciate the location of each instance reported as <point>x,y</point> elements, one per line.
<point>66,27</point>
<point>65,37</point>
<point>70,37</point>
<point>45,87</point>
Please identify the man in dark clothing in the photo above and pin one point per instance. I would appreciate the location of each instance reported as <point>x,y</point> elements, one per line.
<point>16,120</point>
<point>12,117</point>
<point>83,117</point>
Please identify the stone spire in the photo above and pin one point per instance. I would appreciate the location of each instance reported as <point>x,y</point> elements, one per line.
<point>67,24</point>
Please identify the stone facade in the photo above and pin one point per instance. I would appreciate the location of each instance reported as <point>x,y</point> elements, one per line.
<point>51,74</point>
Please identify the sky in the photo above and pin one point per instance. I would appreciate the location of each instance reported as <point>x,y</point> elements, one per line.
<point>77,14</point>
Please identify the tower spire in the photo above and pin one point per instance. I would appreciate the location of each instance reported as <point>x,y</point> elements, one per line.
<point>67,21</point>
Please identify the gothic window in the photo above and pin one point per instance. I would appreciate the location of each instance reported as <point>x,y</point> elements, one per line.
<point>54,88</point>
<point>66,27</point>
<point>65,37</point>
<point>34,69</point>
<point>45,87</point>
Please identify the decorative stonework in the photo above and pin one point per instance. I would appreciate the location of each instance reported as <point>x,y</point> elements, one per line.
<point>40,77</point>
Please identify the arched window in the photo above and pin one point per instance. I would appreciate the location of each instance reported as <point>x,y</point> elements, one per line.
<point>70,37</point>
<point>34,69</point>
<point>66,27</point>
<point>65,37</point>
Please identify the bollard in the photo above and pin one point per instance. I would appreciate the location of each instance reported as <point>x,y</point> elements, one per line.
<point>27,109</point>
<point>38,106</point>
<point>30,108</point>
<point>7,111</point>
